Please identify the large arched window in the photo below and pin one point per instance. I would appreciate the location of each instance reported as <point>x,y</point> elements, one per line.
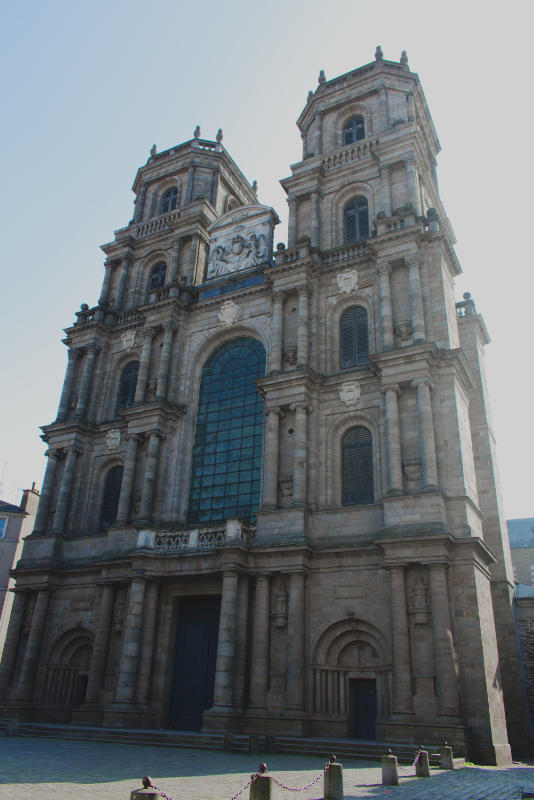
<point>354,130</point>
<point>128,385</point>
<point>226,468</point>
<point>356,220</point>
<point>357,467</point>
<point>110,498</point>
<point>169,200</point>
<point>157,276</point>
<point>353,337</point>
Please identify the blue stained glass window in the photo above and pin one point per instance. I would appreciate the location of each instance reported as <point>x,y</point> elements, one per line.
<point>228,438</point>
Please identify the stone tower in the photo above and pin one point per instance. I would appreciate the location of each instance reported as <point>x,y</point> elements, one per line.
<point>271,503</point>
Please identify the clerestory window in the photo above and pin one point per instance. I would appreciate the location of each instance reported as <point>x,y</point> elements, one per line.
<point>169,200</point>
<point>357,467</point>
<point>356,220</point>
<point>354,130</point>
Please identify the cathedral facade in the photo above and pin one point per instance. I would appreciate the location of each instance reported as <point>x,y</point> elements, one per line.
<point>271,502</point>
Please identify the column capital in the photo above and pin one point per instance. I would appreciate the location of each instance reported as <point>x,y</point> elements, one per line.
<point>169,325</point>
<point>93,347</point>
<point>303,290</point>
<point>315,194</point>
<point>279,296</point>
<point>383,268</point>
<point>76,449</point>
<point>423,381</point>
<point>51,453</point>
<point>157,433</point>
<point>392,387</point>
<point>302,406</point>
<point>292,201</point>
<point>413,260</point>
<point>276,410</point>
<point>150,333</point>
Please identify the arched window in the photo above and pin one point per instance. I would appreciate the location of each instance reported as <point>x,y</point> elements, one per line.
<point>353,337</point>
<point>226,467</point>
<point>128,385</point>
<point>157,276</point>
<point>110,498</point>
<point>169,201</point>
<point>357,467</point>
<point>356,220</point>
<point>354,130</point>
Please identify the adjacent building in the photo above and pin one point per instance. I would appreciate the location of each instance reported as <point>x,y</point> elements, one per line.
<point>271,503</point>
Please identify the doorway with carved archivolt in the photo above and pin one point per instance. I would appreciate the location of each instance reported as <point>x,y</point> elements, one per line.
<point>67,670</point>
<point>351,677</point>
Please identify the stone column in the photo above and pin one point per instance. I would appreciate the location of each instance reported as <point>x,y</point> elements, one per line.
<point>270,460</point>
<point>149,631</point>
<point>393,439</point>
<point>302,331</point>
<point>222,695</point>
<point>383,109</point>
<point>386,313</point>
<point>139,205</point>
<point>169,327</point>
<point>295,638</point>
<point>144,364</point>
<point>259,680</point>
<point>72,356</point>
<point>85,383</point>
<point>25,685</point>
<point>410,99</point>
<point>292,223</point>
<point>402,673</point>
<point>121,286</point>
<point>277,332</point>
<point>413,262</point>
<point>315,222</point>
<point>444,656</point>
<point>131,642</point>
<point>11,646</point>
<point>128,475</point>
<point>149,480</point>
<point>411,180</point>
<point>104,294</point>
<point>41,518</point>
<point>427,443</point>
<point>300,453</point>
<point>385,190</point>
<point>174,262</point>
<point>65,489</point>
<point>100,649</point>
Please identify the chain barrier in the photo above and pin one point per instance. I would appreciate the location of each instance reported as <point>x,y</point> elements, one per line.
<point>301,788</point>
<point>417,757</point>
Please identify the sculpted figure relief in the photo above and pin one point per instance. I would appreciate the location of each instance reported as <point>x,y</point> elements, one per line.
<point>241,239</point>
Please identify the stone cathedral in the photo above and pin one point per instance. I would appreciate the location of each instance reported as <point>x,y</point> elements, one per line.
<point>271,503</point>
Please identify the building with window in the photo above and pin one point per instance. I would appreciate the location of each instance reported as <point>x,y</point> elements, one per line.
<point>270,502</point>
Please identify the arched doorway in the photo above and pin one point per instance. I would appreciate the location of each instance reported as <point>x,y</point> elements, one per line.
<point>67,671</point>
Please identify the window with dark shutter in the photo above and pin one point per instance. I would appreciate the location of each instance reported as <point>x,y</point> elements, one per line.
<point>354,130</point>
<point>110,499</point>
<point>128,385</point>
<point>353,337</point>
<point>357,467</point>
<point>157,276</point>
<point>356,220</point>
<point>169,201</point>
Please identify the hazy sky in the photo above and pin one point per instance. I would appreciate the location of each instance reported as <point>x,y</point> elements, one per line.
<point>87,88</point>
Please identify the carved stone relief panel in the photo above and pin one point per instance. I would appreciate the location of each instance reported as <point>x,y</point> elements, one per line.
<point>241,239</point>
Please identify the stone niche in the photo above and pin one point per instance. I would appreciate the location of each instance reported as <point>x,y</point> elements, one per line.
<point>241,239</point>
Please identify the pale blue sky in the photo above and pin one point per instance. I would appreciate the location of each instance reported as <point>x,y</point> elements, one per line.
<point>87,88</point>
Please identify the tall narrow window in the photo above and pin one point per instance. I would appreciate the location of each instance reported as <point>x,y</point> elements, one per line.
<point>354,130</point>
<point>226,467</point>
<point>353,337</point>
<point>356,220</point>
<point>169,201</point>
<point>128,385</point>
<point>157,276</point>
<point>357,467</point>
<point>110,498</point>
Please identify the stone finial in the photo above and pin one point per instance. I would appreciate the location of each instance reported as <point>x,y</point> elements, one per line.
<point>219,136</point>
<point>379,55</point>
<point>322,77</point>
<point>153,150</point>
<point>404,59</point>
<point>255,187</point>
<point>196,133</point>
<point>310,96</point>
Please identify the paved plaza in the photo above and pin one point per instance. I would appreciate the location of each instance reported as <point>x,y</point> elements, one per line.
<point>44,768</point>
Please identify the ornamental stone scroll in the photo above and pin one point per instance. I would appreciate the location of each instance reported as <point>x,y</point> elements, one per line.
<point>350,393</point>
<point>228,313</point>
<point>347,281</point>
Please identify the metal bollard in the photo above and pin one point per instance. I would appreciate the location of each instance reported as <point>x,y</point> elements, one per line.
<point>446,760</point>
<point>333,781</point>
<point>422,768</point>
<point>262,787</point>
<point>390,770</point>
<point>147,792</point>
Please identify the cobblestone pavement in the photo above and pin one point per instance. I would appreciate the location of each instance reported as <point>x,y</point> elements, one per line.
<point>43,768</point>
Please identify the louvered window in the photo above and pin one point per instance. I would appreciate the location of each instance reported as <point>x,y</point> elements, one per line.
<point>354,130</point>
<point>110,499</point>
<point>353,337</point>
<point>357,467</point>
<point>169,201</point>
<point>128,385</point>
<point>157,276</point>
<point>356,220</point>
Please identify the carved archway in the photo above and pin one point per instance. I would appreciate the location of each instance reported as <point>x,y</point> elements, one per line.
<point>67,669</point>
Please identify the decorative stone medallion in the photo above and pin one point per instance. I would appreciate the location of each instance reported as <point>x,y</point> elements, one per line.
<point>286,487</point>
<point>113,438</point>
<point>128,339</point>
<point>412,469</point>
<point>403,330</point>
<point>228,313</point>
<point>347,281</point>
<point>350,393</point>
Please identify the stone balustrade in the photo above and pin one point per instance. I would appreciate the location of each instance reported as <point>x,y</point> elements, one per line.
<point>466,307</point>
<point>193,538</point>
<point>346,252</point>
<point>349,153</point>
<point>155,225</point>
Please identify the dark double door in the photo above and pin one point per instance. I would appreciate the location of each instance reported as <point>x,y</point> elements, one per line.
<point>194,663</point>
<point>363,708</point>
